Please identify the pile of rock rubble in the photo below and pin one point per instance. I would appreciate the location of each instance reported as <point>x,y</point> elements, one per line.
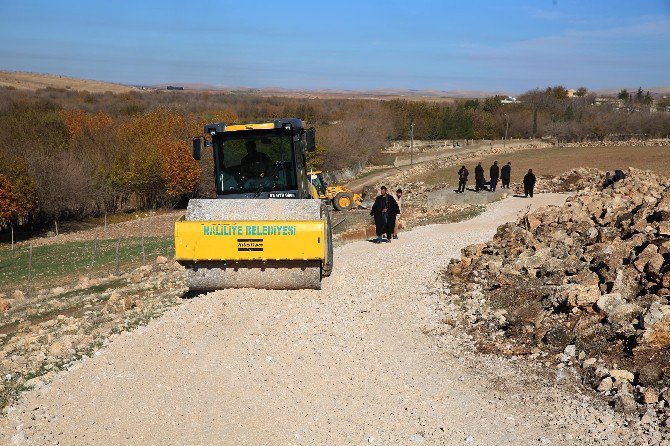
<point>572,181</point>
<point>588,282</point>
<point>659,142</point>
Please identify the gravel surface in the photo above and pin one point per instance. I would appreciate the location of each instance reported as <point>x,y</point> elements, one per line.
<point>259,209</point>
<point>366,360</point>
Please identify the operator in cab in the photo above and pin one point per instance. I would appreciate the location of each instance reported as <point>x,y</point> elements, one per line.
<point>255,164</point>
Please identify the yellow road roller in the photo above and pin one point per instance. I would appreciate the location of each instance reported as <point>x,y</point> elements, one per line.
<point>263,229</point>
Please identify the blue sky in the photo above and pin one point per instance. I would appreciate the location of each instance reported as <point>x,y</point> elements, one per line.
<point>420,44</point>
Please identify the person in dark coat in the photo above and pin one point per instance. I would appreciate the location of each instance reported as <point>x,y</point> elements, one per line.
<point>494,172</point>
<point>479,178</point>
<point>529,183</point>
<point>608,180</point>
<point>506,174</point>
<point>384,211</point>
<point>462,179</point>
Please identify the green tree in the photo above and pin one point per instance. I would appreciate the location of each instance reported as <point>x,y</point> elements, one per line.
<point>624,95</point>
<point>639,95</point>
<point>569,113</point>
<point>317,158</point>
<point>491,104</point>
<point>581,92</point>
<point>559,91</point>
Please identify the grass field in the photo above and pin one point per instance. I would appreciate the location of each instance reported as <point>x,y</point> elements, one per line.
<point>61,263</point>
<point>556,160</point>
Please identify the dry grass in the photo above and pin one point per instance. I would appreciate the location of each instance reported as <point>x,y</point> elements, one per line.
<point>63,263</point>
<point>34,81</point>
<point>557,160</point>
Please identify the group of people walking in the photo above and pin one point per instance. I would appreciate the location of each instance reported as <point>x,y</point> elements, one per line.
<point>386,208</point>
<point>496,173</point>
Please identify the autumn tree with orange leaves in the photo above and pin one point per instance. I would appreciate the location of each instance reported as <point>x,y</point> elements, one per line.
<point>13,206</point>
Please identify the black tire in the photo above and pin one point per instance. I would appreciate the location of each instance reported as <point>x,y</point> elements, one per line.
<point>327,264</point>
<point>343,201</point>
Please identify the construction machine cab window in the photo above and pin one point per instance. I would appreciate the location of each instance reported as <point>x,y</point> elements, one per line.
<point>247,163</point>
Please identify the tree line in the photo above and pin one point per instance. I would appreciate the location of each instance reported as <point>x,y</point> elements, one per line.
<point>69,155</point>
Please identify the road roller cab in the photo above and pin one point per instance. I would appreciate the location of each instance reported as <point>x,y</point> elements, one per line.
<point>264,229</point>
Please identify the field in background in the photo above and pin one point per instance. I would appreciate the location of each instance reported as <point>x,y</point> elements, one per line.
<point>33,81</point>
<point>557,160</point>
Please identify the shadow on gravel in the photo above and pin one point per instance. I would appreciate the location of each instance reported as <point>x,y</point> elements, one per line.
<point>190,294</point>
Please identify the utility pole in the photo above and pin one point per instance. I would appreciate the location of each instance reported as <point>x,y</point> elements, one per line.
<point>411,147</point>
<point>506,128</point>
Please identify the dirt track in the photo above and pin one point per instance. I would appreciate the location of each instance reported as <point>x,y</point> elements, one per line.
<point>365,360</point>
<point>436,160</point>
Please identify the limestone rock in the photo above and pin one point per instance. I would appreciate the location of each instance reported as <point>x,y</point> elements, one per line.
<point>657,335</point>
<point>605,385</point>
<point>650,374</point>
<point>625,403</point>
<point>645,256</point>
<point>654,313</point>
<point>577,295</point>
<point>559,336</point>
<point>622,375</point>
<point>607,303</point>
<point>650,396</point>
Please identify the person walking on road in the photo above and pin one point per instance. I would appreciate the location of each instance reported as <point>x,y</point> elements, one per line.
<point>506,174</point>
<point>384,212</point>
<point>398,199</point>
<point>529,183</point>
<point>479,178</point>
<point>494,172</point>
<point>462,179</point>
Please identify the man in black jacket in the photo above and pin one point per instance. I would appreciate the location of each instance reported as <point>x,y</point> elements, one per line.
<point>506,174</point>
<point>494,172</point>
<point>529,183</point>
<point>462,179</point>
<point>384,211</point>
<point>479,178</point>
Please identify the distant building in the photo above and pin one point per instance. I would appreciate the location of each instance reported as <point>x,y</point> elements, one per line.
<point>622,105</point>
<point>170,87</point>
<point>571,93</point>
<point>510,100</point>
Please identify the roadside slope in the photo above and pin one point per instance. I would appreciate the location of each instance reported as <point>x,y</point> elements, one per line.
<point>356,362</point>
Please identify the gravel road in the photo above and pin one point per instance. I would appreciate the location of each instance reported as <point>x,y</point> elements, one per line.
<point>363,361</point>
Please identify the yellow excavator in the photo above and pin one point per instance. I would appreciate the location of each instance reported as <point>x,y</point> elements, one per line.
<point>264,229</point>
<point>341,197</point>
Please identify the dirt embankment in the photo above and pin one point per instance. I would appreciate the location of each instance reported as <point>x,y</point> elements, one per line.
<point>45,332</point>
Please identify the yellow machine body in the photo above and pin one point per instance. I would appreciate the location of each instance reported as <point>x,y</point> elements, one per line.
<point>249,240</point>
<point>342,197</point>
<point>263,230</point>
